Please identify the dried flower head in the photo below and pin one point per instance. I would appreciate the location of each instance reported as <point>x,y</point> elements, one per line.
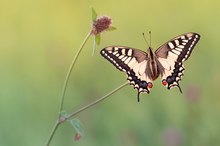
<point>101,24</point>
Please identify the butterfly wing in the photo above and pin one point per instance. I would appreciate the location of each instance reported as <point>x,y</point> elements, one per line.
<point>131,61</point>
<point>172,55</point>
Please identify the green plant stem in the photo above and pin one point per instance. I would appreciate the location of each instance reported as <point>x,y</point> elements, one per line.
<point>59,121</point>
<point>53,132</point>
<point>96,101</point>
<point>63,119</point>
<point>70,70</point>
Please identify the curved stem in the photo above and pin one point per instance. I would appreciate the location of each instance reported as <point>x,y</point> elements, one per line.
<point>70,70</point>
<point>64,89</point>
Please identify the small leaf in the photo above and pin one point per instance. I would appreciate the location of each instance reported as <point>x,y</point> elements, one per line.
<point>94,15</point>
<point>63,114</point>
<point>77,125</point>
<point>97,39</point>
<point>94,47</point>
<point>111,28</point>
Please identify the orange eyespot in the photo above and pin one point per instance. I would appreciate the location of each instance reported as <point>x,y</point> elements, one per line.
<point>164,82</point>
<point>149,85</point>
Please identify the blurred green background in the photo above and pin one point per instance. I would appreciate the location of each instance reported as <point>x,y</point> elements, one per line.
<point>38,40</point>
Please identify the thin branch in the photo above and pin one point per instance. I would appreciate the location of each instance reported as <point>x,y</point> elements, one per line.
<point>70,70</point>
<point>60,120</point>
<point>96,101</point>
<point>53,132</point>
<point>63,119</point>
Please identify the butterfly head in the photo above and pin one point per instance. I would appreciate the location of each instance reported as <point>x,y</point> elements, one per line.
<point>150,52</point>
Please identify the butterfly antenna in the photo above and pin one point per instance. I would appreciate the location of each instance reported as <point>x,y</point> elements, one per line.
<point>145,39</point>
<point>150,37</point>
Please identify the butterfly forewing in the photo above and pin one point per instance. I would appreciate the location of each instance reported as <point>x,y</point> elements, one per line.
<point>132,61</point>
<point>123,58</point>
<point>172,55</point>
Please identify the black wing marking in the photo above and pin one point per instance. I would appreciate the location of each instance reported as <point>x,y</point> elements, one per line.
<point>172,55</point>
<point>131,61</point>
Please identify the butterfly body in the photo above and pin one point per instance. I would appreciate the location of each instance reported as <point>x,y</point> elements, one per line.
<point>143,68</point>
<point>154,67</point>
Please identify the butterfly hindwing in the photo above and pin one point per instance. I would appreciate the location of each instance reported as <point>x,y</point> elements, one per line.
<point>131,61</point>
<point>172,55</point>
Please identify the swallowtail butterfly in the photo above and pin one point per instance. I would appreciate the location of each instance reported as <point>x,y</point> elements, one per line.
<point>144,67</point>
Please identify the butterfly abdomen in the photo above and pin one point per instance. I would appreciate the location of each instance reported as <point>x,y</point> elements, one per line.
<point>152,69</point>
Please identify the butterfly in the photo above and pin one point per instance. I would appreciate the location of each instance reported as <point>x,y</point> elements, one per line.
<point>143,68</point>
